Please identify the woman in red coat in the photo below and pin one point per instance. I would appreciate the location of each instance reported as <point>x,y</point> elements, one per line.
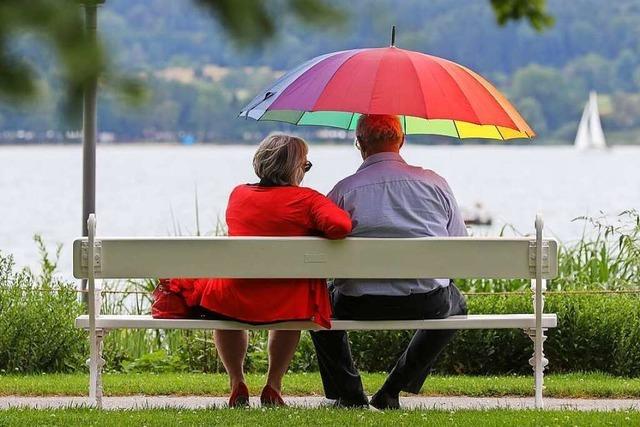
<point>276,206</point>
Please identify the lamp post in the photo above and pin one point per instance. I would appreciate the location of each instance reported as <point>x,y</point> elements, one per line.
<point>89,127</point>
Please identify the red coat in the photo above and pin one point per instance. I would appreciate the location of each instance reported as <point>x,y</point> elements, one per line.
<point>255,210</point>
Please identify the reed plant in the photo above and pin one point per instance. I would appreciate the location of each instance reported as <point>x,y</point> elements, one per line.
<point>606,257</point>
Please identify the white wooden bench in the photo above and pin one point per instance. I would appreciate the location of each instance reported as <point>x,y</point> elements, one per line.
<point>309,257</point>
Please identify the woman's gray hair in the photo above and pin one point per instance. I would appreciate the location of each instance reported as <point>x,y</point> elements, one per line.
<point>280,159</point>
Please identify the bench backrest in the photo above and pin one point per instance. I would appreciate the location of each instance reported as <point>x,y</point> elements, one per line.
<point>308,257</point>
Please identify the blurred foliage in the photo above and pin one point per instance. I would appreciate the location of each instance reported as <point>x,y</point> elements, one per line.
<point>81,58</point>
<point>533,11</point>
<point>251,22</point>
<point>59,24</point>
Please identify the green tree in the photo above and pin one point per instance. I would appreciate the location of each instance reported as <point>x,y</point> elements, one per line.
<point>624,68</point>
<point>636,77</point>
<point>533,113</point>
<point>548,87</point>
<point>594,71</point>
<point>626,113</point>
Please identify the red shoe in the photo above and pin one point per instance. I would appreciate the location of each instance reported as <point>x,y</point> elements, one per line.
<point>270,397</point>
<point>239,396</point>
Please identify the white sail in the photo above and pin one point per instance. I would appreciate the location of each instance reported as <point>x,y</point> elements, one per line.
<point>590,134</point>
<point>595,127</point>
<point>582,136</point>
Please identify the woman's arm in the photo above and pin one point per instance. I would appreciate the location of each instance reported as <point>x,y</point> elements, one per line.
<point>328,218</point>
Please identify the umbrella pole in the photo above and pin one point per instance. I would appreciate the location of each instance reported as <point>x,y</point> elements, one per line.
<point>89,133</point>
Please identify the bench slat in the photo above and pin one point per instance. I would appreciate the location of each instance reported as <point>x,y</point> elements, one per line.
<point>471,321</point>
<point>308,257</point>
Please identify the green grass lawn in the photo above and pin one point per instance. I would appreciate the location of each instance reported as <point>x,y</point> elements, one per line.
<point>315,417</point>
<point>569,385</point>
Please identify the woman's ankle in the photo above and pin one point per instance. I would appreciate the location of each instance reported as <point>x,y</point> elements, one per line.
<point>276,385</point>
<point>236,380</point>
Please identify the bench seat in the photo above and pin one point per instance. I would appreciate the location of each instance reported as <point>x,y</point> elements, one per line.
<point>472,321</point>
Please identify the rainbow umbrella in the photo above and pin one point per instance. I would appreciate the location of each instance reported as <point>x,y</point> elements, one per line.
<point>431,95</point>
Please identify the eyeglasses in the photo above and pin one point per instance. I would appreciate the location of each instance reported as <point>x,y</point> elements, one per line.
<point>307,166</point>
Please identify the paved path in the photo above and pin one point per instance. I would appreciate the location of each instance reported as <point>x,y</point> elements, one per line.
<point>418,402</point>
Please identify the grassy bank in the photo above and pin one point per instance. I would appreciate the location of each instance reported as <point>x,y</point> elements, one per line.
<point>329,417</point>
<point>576,385</point>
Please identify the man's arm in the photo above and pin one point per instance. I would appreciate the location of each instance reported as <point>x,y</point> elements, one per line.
<point>456,226</point>
<point>335,196</point>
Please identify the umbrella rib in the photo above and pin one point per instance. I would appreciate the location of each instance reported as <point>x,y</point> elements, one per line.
<point>455,126</point>
<point>351,121</point>
<point>415,72</point>
<point>482,82</point>
<point>354,52</point>
<point>464,95</point>
<point>293,74</point>
<point>375,79</point>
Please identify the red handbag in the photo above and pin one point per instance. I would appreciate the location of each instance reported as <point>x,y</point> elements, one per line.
<point>168,304</point>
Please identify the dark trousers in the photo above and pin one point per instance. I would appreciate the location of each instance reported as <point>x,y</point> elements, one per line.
<point>340,377</point>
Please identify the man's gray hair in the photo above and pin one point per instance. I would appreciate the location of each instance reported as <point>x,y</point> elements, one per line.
<point>280,159</point>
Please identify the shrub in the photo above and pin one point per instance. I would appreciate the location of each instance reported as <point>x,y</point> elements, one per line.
<point>596,332</point>
<point>36,319</point>
<point>157,362</point>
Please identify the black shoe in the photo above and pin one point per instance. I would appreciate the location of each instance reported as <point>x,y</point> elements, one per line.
<point>383,400</point>
<point>352,403</point>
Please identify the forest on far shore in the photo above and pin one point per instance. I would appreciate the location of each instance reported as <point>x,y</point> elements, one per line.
<point>197,80</point>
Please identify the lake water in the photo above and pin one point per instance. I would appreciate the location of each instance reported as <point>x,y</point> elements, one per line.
<point>150,189</point>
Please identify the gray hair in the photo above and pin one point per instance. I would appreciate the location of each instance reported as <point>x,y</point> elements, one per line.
<point>280,159</point>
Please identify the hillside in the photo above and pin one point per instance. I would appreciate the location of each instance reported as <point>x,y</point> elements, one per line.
<point>198,79</point>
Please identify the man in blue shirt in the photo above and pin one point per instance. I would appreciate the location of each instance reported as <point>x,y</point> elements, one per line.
<point>386,197</point>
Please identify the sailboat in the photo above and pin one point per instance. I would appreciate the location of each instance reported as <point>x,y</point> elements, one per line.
<point>590,134</point>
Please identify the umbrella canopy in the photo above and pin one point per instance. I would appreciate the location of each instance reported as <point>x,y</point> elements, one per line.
<point>430,94</point>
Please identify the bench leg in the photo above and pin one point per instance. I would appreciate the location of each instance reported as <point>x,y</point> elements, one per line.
<point>95,363</point>
<point>538,362</point>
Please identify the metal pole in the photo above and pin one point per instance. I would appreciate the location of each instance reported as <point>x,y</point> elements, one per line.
<point>89,133</point>
<point>538,310</point>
